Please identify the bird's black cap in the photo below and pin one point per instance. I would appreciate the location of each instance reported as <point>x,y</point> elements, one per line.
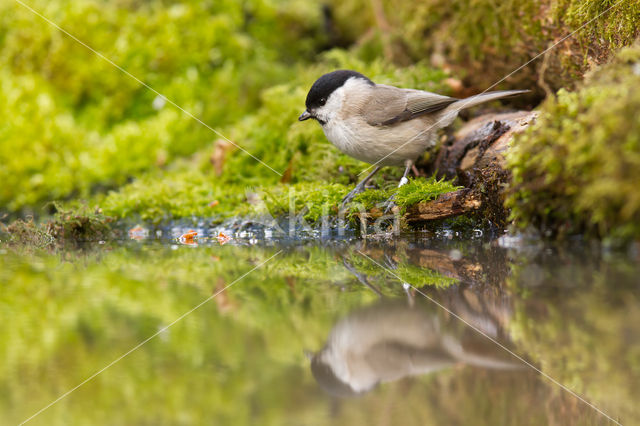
<point>325,85</point>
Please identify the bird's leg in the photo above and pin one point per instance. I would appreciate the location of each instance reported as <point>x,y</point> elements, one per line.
<point>360,186</point>
<point>362,278</point>
<point>389,204</point>
<point>410,296</point>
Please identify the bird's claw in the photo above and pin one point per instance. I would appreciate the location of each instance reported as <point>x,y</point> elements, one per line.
<point>389,204</point>
<point>347,198</point>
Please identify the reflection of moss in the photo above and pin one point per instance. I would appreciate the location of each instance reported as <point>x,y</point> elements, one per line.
<point>72,315</point>
<point>578,167</point>
<point>582,328</point>
<point>400,268</point>
<point>420,277</point>
<point>76,316</point>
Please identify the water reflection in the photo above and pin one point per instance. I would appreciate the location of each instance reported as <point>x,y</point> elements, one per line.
<point>391,340</point>
<point>238,359</point>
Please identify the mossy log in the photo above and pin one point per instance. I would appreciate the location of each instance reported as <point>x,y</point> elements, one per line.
<point>447,205</point>
<point>474,156</point>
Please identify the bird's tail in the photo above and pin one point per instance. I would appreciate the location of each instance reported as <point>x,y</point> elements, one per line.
<point>485,97</point>
<point>451,112</point>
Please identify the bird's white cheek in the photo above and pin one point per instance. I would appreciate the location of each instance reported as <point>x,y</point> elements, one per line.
<point>332,108</point>
<point>324,115</point>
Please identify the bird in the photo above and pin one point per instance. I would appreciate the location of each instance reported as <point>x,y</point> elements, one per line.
<point>380,124</point>
<point>390,340</point>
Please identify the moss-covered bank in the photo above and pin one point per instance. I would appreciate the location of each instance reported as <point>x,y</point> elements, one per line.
<point>76,128</point>
<point>578,168</point>
<point>484,40</point>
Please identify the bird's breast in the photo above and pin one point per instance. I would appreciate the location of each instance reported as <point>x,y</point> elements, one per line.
<point>384,145</point>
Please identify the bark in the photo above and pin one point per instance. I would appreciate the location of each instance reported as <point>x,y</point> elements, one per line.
<point>474,156</point>
<point>447,205</point>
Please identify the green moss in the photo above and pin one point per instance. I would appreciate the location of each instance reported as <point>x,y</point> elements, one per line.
<point>577,169</point>
<point>82,225</point>
<point>615,28</point>
<point>311,200</point>
<point>487,39</point>
<point>416,191</point>
<point>26,233</point>
<point>420,190</point>
<point>314,173</point>
<point>74,125</point>
<point>189,192</point>
<point>65,227</point>
<point>177,194</point>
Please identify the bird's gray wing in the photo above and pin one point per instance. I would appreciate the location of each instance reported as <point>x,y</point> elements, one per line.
<point>389,105</point>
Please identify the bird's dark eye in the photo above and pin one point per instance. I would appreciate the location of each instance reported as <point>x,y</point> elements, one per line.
<point>323,101</point>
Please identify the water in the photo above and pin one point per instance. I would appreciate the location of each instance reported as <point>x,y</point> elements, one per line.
<point>414,331</point>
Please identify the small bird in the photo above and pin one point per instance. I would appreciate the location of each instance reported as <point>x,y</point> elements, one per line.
<point>382,125</point>
<point>389,340</point>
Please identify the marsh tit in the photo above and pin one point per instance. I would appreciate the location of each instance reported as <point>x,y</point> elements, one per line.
<point>388,341</point>
<point>382,125</point>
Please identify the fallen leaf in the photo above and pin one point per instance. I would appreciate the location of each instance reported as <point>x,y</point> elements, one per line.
<point>223,238</point>
<point>188,237</point>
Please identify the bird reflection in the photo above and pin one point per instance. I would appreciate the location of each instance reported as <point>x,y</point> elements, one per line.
<point>395,339</point>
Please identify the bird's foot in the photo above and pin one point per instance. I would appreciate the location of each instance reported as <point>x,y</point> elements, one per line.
<point>389,204</point>
<point>355,191</point>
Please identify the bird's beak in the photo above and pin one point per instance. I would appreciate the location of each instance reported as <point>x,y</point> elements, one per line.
<point>305,116</point>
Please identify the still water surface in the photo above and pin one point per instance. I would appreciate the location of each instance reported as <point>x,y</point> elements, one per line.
<point>416,331</point>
